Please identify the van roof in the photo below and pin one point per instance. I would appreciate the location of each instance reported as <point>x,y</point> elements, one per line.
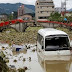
<point>50,31</point>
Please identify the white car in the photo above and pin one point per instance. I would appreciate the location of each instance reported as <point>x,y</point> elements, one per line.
<point>52,42</point>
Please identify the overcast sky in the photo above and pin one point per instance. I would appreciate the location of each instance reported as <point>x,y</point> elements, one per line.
<point>32,2</point>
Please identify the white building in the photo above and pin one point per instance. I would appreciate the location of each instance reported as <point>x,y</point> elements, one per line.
<point>43,9</point>
<point>61,9</point>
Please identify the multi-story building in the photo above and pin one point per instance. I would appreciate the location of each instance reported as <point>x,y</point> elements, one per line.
<point>61,9</point>
<point>43,9</point>
<point>21,10</point>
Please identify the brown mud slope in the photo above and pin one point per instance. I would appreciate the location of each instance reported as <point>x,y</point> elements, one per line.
<point>11,36</point>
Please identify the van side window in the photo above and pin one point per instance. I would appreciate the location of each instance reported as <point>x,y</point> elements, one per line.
<point>39,38</point>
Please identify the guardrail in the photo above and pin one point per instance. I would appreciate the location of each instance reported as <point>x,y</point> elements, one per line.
<point>55,22</point>
<point>12,22</point>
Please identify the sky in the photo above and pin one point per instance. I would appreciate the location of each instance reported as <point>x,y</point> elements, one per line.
<point>57,3</point>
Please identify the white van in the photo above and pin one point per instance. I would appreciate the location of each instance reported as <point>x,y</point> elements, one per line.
<point>52,42</point>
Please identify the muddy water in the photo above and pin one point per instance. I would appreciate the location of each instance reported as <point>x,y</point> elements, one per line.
<point>56,64</point>
<point>64,65</point>
<point>61,64</point>
<point>16,53</point>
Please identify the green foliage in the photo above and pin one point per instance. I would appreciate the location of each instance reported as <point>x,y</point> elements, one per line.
<point>12,70</point>
<point>55,16</point>
<point>10,17</point>
<point>69,18</point>
<point>2,54</point>
<point>8,8</point>
<point>21,70</point>
<point>15,15</point>
<point>3,66</point>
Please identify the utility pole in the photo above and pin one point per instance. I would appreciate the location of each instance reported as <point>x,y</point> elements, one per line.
<point>65,7</point>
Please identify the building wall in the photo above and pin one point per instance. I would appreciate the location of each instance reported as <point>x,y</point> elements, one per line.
<point>59,9</point>
<point>21,10</point>
<point>3,17</point>
<point>25,17</point>
<point>68,14</point>
<point>43,9</point>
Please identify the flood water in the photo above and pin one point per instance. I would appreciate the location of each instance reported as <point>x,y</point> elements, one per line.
<point>58,66</point>
<point>62,65</point>
<point>16,53</point>
<point>51,64</point>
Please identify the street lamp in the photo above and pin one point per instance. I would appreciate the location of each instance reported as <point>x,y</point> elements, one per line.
<point>12,14</point>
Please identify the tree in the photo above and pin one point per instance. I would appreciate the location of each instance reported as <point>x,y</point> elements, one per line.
<point>54,16</point>
<point>15,15</point>
<point>9,17</point>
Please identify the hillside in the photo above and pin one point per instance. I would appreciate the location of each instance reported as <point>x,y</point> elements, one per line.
<point>8,8</point>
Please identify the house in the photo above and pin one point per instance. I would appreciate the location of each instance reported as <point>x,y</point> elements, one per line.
<point>66,14</point>
<point>25,17</point>
<point>3,17</point>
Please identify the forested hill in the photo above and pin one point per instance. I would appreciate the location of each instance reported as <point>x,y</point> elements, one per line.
<point>8,8</point>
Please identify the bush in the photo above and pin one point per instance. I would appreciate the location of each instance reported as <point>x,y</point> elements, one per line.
<point>3,66</point>
<point>12,70</point>
<point>21,70</point>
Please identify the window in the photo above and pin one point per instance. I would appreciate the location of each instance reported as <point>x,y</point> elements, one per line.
<point>37,3</point>
<point>56,43</point>
<point>41,11</point>
<point>46,3</point>
<point>40,39</point>
<point>40,7</point>
<point>52,6</point>
<point>47,11</point>
<point>45,17</point>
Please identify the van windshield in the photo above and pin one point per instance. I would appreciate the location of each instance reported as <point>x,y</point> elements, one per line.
<point>54,43</point>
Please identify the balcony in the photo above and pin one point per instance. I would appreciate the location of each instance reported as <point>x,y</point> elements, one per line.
<point>45,0</point>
